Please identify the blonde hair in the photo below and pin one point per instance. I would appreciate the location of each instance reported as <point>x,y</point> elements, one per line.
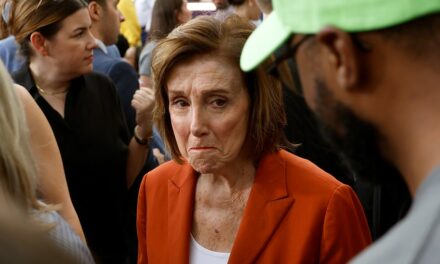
<point>18,174</point>
<point>207,35</point>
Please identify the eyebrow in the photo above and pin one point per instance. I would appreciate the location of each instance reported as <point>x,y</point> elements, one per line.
<point>79,29</point>
<point>204,92</point>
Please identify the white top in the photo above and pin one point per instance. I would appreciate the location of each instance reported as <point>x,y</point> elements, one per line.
<point>201,255</point>
<point>144,11</point>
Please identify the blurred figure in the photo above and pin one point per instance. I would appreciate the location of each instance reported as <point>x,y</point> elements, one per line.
<point>223,9</point>
<point>99,156</point>
<point>9,54</point>
<point>23,241</point>
<point>221,4</point>
<point>372,80</point>
<point>106,20</point>
<point>18,186</point>
<point>231,194</point>
<point>247,9</point>
<point>52,184</point>
<point>130,27</point>
<point>265,6</point>
<point>167,14</point>
<point>144,10</point>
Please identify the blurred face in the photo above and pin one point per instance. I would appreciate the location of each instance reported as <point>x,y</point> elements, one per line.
<point>184,15</point>
<point>71,48</point>
<point>255,11</point>
<point>220,4</point>
<point>209,110</point>
<point>356,139</point>
<point>111,21</point>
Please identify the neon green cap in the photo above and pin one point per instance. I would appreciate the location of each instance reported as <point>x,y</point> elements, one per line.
<point>310,16</point>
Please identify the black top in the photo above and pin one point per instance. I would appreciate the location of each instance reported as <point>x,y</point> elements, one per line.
<point>93,139</point>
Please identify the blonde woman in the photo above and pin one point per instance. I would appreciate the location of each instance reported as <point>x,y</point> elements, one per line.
<point>19,174</point>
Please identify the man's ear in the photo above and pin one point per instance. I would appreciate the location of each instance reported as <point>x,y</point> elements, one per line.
<point>38,42</point>
<point>95,11</point>
<point>342,56</point>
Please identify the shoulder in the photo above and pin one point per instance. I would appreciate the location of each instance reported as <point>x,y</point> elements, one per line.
<point>164,172</point>
<point>8,44</point>
<point>147,51</point>
<point>102,61</point>
<point>304,173</point>
<point>98,85</point>
<point>94,78</point>
<point>115,68</point>
<point>65,238</point>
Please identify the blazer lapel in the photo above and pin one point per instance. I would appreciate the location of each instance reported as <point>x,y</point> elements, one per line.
<point>267,205</point>
<point>181,189</point>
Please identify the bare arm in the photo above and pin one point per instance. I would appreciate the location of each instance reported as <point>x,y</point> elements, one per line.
<point>52,180</point>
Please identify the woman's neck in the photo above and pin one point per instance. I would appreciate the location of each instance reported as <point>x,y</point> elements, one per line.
<point>232,178</point>
<point>47,79</point>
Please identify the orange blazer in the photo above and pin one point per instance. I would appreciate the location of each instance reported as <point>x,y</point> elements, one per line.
<point>296,213</point>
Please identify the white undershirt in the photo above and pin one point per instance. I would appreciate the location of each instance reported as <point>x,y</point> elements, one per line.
<point>201,255</point>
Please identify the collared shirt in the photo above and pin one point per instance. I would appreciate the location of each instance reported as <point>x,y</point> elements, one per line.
<point>101,45</point>
<point>93,141</point>
<point>111,50</point>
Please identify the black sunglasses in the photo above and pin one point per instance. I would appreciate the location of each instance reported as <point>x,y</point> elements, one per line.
<point>283,65</point>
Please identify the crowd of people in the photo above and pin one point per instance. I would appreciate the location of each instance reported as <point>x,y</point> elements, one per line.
<point>267,131</point>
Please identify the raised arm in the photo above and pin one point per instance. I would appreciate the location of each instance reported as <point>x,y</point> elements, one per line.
<point>143,103</point>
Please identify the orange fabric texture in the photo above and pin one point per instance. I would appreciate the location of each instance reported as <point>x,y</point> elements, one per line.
<point>296,213</point>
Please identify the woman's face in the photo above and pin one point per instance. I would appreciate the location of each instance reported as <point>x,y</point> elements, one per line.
<point>184,15</point>
<point>209,110</point>
<point>71,48</point>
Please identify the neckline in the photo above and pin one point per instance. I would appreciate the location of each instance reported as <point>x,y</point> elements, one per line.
<point>207,251</point>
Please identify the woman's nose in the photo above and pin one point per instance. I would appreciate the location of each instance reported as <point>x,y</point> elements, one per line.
<point>199,126</point>
<point>91,41</point>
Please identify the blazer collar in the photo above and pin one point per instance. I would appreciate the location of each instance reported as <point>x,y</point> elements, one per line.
<point>181,190</point>
<point>267,205</point>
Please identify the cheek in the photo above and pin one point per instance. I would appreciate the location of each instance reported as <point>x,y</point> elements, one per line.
<point>181,131</point>
<point>233,131</point>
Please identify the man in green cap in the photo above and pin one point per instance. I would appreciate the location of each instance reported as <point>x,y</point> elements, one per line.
<point>370,71</point>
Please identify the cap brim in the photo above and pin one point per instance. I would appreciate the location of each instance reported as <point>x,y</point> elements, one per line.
<point>268,36</point>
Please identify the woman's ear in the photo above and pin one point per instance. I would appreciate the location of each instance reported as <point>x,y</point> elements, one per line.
<point>38,42</point>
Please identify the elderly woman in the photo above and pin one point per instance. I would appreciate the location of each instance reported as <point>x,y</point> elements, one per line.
<point>231,194</point>
<point>99,157</point>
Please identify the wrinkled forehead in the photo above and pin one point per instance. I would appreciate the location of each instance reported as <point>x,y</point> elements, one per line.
<point>207,72</point>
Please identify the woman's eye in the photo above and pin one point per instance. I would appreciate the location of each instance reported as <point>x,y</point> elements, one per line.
<point>79,34</point>
<point>180,103</point>
<point>219,102</point>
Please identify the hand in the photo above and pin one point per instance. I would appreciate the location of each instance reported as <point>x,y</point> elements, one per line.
<point>143,103</point>
<point>160,157</point>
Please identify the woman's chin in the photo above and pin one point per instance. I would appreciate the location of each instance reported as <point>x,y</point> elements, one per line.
<point>204,166</point>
